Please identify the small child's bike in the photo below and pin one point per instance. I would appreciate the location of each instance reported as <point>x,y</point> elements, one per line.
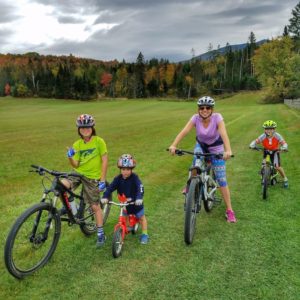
<point>34,236</point>
<point>268,171</point>
<point>125,225</point>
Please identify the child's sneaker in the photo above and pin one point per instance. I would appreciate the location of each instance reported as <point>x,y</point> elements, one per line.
<point>285,183</point>
<point>100,241</point>
<point>230,216</point>
<point>144,238</point>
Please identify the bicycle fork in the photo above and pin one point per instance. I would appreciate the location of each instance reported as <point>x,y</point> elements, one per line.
<point>34,238</point>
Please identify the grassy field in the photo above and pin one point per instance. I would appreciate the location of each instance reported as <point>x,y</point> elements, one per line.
<point>256,258</point>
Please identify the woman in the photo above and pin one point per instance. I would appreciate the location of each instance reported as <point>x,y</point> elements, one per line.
<point>211,136</point>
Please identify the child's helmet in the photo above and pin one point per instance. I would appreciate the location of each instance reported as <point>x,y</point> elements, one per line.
<point>85,120</point>
<point>269,124</point>
<point>126,161</point>
<point>207,101</point>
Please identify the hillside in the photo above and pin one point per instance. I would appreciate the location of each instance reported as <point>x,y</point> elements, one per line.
<point>211,54</point>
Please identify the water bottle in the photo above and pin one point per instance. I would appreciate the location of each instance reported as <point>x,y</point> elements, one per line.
<point>73,205</point>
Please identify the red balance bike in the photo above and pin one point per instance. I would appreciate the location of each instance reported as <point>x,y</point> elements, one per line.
<point>125,225</point>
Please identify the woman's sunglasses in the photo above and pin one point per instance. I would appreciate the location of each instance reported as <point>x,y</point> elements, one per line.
<point>204,107</point>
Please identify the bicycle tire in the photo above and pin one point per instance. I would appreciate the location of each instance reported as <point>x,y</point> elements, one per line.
<point>21,245</point>
<point>265,181</point>
<point>208,203</point>
<point>191,211</point>
<point>89,226</point>
<point>117,243</point>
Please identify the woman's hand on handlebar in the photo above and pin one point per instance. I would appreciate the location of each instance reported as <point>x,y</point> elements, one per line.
<point>172,149</point>
<point>227,155</point>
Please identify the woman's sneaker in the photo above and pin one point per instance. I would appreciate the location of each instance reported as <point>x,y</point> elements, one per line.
<point>286,184</point>
<point>230,216</point>
<point>144,239</point>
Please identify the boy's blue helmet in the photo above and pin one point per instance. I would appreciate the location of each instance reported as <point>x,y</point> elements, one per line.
<point>85,120</point>
<point>126,161</point>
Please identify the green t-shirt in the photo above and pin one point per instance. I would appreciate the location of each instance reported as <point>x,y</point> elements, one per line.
<point>89,156</point>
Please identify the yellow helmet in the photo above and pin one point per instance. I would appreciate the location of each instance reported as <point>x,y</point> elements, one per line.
<point>269,124</point>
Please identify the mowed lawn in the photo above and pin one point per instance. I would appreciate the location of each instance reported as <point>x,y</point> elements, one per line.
<point>256,258</point>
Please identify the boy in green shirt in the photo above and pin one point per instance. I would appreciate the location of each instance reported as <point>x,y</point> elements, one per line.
<point>88,156</point>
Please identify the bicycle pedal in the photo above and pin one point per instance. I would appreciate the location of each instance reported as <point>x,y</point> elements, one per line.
<point>217,200</point>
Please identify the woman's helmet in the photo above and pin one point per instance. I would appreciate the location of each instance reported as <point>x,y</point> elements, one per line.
<point>85,120</point>
<point>269,124</point>
<point>126,161</point>
<point>206,101</point>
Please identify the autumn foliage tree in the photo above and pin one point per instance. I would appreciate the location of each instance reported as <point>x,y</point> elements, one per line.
<point>278,68</point>
<point>7,89</point>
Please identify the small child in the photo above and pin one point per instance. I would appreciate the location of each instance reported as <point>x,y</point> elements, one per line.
<point>128,183</point>
<point>88,156</point>
<point>272,140</point>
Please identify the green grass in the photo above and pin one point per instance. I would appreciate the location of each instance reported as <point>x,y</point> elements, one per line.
<point>256,258</point>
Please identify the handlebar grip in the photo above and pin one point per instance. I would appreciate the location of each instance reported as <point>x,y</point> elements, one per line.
<point>35,166</point>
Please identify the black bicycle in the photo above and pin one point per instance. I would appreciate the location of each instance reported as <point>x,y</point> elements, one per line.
<point>34,236</point>
<point>201,187</point>
<point>268,171</point>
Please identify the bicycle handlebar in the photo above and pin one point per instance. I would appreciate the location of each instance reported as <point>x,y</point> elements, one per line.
<point>41,171</point>
<point>180,152</point>
<point>269,151</point>
<point>121,203</point>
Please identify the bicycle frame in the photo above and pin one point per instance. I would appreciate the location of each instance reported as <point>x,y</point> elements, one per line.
<point>122,222</point>
<point>62,193</point>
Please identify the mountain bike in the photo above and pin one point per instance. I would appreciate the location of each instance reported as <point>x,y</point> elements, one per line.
<point>121,229</point>
<point>201,188</point>
<point>34,236</point>
<point>268,171</point>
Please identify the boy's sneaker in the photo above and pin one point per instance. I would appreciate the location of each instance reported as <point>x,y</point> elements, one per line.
<point>144,238</point>
<point>230,216</point>
<point>286,184</point>
<point>100,241</point>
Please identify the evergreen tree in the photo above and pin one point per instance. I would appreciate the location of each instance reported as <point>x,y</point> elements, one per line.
<point>285,31</point>
<point>294,27</point>
<point>140,76</point>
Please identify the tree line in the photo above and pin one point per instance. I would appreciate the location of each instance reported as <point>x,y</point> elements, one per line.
<point>274,65</point>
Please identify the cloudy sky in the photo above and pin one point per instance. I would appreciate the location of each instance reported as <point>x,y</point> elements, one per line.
<point>120,29</point>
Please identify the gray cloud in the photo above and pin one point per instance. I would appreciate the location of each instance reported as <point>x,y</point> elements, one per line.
<point>69,20</point>
<point>163,28</point>
<point>8,13</point>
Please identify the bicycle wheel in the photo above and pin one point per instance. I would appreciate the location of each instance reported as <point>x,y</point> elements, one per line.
<point>88,226</point>
<point>265,181</point>
<point>117,243</point>
<point>209,202</point>
<point>32,240</point>
<point>192,201</point>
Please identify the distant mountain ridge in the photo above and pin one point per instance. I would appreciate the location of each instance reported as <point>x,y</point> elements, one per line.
<point>210,54</point>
